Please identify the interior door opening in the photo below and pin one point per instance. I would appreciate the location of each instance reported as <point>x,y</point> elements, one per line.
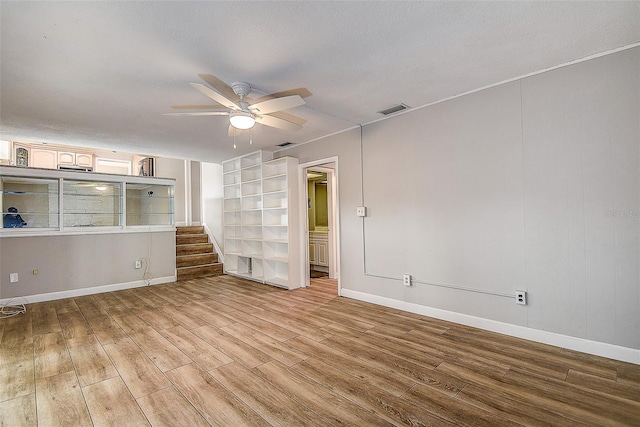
<point>321,226</point>
<point>318,223</point>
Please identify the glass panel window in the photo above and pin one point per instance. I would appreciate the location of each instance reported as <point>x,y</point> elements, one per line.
<point>29,202</point>
<point>149,204</point>
<point>91,203</point>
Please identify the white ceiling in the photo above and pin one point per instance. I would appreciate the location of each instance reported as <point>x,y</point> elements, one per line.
<point>101,74</point>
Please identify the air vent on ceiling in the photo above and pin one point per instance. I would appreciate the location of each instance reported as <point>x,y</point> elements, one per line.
<point>285,144</point>
<point>394,109</point>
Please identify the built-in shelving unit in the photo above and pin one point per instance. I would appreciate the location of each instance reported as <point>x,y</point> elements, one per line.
<point>261,220</point>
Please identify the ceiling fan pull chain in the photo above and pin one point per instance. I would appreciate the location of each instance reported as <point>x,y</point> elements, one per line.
<point>234,138</point>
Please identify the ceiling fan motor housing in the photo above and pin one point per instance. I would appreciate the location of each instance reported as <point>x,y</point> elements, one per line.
<point>241,89</point>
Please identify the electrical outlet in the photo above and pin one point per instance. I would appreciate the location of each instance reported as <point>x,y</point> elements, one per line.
<point>13,277</point>
<point>521,297</point>
<point>406,279</point>
<point>138,264</point>
<point>361,211</point>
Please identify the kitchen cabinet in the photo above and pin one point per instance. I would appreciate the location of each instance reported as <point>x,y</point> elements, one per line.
<point>67,158</point>
<point>43,158</point>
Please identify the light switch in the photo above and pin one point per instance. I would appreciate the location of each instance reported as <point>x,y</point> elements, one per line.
<point>361,211</point>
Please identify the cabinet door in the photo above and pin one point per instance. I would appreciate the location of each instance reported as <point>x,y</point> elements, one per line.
<point>65,158</point>
<point>84,160</point>
<point>312,253</point>
<point>323,253</point>
<point>43,158</point>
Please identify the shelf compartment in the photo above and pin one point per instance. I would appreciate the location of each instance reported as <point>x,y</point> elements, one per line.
<point>275,233</point>
<point>252,218</point>
<point>231,205</point>
<point>273,184</point>
<point>231,178</point>
<point>252,173</point>
<point>230,263</point>
<point>231,166</point>
<point>232,231</point>
<point>252,248</point>
<point>257,269</point>
<point>276,273</point>
<point>275,216</point>
<point>252,202</point>
<point>252,159</point>
<point>275,167</point>
<point>275,200</point>
<point>232,218</point>
<point>232,246</point>
<point>232,191</point>
<point>252,188</point>
<point>252,232</point>
<point>276,251</point>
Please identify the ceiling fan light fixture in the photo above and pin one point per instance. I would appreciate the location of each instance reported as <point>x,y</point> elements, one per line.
<point>242,120</point>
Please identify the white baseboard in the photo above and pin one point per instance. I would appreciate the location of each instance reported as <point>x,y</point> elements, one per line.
<point>30,299</point>
<point>611,351</point>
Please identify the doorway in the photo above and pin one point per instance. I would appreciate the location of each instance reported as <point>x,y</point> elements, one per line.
<point>320,205</point>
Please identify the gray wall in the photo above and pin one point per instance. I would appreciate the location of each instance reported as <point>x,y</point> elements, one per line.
<point>532,185</point>
<point>67,263</point>
<point>196,192</point>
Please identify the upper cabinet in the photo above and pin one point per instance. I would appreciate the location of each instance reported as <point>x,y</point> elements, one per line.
<point>41,158</point>
<point>67,158</point>
<point>49,156</point>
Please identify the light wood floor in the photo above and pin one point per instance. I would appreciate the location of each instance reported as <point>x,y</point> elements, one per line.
<point>222,351</point>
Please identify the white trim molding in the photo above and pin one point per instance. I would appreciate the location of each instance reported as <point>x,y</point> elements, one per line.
<point>71,293</point>
<point>611,351</point>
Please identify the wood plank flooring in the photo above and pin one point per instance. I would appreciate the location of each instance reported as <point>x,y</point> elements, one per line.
<point>221,351</point>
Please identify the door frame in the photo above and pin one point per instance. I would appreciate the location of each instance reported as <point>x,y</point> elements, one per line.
<point>334,217</point>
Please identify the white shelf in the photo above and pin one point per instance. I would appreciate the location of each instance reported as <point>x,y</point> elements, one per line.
<point>272,185</point>
<point>232,191</point>
<point>230,178</point>
<point>231,166</point>
<point>277,259</point>
<point>232,204</point>
<point>262,219</point>
<point>275,167</point>
<point>253,173</point>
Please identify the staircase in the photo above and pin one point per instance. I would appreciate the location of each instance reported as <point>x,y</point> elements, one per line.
<point>194,254</point>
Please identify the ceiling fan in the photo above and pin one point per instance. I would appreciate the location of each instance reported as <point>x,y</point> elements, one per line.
<point>244,112</point>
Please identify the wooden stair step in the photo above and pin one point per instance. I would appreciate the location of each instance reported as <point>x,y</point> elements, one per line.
<point>196,259</point>
<point>186,239</point>
<point>192,229</point>
<point>186,273</point>
<point>197,248</point>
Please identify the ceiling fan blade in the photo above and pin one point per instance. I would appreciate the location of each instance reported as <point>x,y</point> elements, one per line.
<point>194,107</point>
<point>289,117</point>
<point>277,104</point>
<point>219,98</point>
<point>220,86</point>
<point>301,91</point>
<point>199,113</point>
<point>278,123</point>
